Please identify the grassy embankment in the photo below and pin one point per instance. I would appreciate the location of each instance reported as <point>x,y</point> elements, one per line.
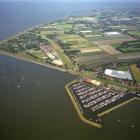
<point>27,58</point>
<point>77,108</point>
<point>65,59</point>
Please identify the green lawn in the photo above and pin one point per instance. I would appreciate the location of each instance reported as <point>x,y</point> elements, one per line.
<point>122,68</point>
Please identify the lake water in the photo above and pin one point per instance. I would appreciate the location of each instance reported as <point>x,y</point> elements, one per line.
<point>33,102</point>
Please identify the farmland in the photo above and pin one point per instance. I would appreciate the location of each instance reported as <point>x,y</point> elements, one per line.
<point>135,33</point>
<point>130,46</point>
<point>77,41</point>
<point>113,41</point>
<point>136,72</point>
<point>72,39</point>
<point>109,49</point>
<point>96,58</point>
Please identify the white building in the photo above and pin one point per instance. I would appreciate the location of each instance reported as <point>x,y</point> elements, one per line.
<point>118,74</point>
<point>113,33</point>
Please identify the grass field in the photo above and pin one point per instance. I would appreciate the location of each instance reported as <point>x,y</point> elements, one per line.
<point>72,39</point>
<point>85,45</point>
<point>89,49</point>
<point>99,37</point>
<point>63,25</point>
<point>109,49</point>
<point>136,72</point>
<point>122,68</point>
<point>39,54</point>
<point>137,33</point>
<point>113,41</point>
<point>94,58</point>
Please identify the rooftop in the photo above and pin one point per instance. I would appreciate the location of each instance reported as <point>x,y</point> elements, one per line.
<point>118,74</point>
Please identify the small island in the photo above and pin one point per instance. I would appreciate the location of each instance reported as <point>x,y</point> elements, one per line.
<point>102,49</point>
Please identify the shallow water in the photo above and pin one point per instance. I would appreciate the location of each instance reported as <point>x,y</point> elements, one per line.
<point>35,105</point>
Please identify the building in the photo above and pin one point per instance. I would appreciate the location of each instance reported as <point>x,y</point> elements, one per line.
<point>125,75</point>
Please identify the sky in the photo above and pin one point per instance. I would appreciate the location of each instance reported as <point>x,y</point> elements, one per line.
<point>70,0</point>
<point>77,0</point>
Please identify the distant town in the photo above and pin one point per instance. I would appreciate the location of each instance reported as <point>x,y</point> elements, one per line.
<point>102,49</point>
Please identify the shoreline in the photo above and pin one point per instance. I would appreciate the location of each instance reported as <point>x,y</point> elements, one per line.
<point>80,113</point>
<point>81,116</point>
<point>116,107</point>
<point>26,30</point>
<point>32,61</point>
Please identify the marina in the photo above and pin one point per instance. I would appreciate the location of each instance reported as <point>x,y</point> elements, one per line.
<point>95,101</point>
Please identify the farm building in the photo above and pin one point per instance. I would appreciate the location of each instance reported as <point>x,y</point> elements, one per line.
<point>88,31</point>
<point>113,33</point>
<point>118,74</point>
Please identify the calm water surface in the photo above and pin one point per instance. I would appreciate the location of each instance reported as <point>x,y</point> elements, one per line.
<point>34,105</point>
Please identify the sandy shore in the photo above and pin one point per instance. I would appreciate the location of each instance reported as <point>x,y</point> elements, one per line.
<point>39,63</point>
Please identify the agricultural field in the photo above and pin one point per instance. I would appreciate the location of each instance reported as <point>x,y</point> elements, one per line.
<point>102,37</point>
<point>127,47</point>
<point>51,31</point>
<point>136,72</point>
<point>57,28</point>
<point>123,67</point>
<point>40,54</point>
<point>134,33</point>
<point>63,25</point>
<point>128,56</point>
<point>113,41</point>
<point>89,49</point>
<point>85,45</point>
<point>72,39</point>
<point>89,59</point>
<point>109,49</point>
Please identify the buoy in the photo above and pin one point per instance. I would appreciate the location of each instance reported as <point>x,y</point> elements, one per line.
<point>132,126</point>
<point>22,78</point>
<point>38,83</point>
<point>18,86</point>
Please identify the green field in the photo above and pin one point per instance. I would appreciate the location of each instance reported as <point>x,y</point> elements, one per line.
<point>122,68</point>
<point>98,37</point>
<point>136,72</point>
<point>131,46</point>
<point>39,54</point>
<point>57,26</point>
<point>137,33</point>
<point>63,25</point>
<point>72,39</point>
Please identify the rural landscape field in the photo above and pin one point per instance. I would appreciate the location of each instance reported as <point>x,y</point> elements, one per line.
<point>101,48</point>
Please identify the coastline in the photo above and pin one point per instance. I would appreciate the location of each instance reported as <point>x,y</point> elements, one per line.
<point>76,106</point>
<point>26,30</point>
<point>80,112</point>
<point>32,61</point>
<point>116,107</point>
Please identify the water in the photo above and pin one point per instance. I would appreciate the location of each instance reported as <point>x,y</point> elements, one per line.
<point>33,102</point>
<point>18,16</point>
<point>35,105</point>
